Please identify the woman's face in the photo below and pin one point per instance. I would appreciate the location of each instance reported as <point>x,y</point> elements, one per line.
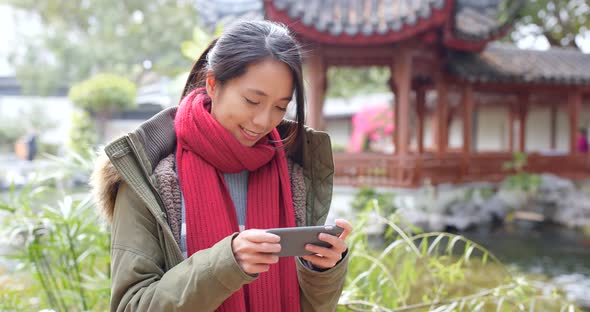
<point>252,105</point>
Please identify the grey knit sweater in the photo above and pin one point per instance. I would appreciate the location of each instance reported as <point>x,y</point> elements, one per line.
<point>237,184</point>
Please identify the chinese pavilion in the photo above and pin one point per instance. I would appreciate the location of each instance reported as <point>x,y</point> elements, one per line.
<point>444,48</point>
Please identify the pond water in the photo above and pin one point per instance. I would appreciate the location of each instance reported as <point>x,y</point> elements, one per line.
<point>561,254</point>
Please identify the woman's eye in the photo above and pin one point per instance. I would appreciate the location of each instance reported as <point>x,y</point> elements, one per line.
<point>283,109</point>
<point>250,101</point>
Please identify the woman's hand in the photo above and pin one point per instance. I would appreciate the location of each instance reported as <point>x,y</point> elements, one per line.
<point>253,250</point>
<point>325,258</point>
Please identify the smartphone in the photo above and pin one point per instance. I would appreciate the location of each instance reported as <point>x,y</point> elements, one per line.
<point>294,239</point>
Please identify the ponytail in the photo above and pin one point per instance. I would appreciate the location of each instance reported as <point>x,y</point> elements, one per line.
<point>196,78</point>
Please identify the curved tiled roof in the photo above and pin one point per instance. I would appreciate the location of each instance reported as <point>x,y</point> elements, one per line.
<point>353,17</point>
<point>359,22</point>
<point>506,63</point>
<point>467,24</point>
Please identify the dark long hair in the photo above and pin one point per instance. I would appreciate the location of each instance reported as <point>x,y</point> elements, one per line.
<point>246,43</point>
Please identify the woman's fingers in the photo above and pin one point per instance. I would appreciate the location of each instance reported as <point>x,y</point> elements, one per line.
<point>260,236</point>
<point>257,258</point>
<point>325,252</point>
<point>325,258</point>
<point>346,226</point>
<point>254,249</point>
<point>338,244</point>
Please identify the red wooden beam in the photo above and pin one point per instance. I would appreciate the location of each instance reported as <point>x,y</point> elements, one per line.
<point>420,112</point>
<point>316,76</point>
<point>575,104</point>
<point>512,112</point>
<point>402,74</point>
<point>467,106</point>
<point>442,111</point>
<point>553,125</point>
<point>523,103</point>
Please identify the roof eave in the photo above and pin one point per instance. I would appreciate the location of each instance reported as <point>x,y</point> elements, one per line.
<point>438,18</point>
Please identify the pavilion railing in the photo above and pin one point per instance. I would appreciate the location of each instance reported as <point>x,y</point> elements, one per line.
<point>374,169</point>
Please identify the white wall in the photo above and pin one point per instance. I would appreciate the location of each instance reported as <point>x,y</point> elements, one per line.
<point>492,131</point>
<point>456,133</point>
<point>562,133</point>
<point>538,129</point>
<point>57,109</point>
<point>340,131</point>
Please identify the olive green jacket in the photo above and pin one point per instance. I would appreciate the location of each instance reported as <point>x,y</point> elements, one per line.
<point>148,269</point>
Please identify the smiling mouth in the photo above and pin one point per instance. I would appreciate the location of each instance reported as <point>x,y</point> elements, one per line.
<point>250,134</point>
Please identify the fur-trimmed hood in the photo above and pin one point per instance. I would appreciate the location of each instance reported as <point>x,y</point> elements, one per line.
<point>151,142</point>
<point>105,181</point>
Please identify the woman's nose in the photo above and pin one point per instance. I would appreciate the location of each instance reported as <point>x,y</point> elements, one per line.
<point>261,120</point>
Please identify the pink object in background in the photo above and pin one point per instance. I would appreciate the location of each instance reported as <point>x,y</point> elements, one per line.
<point>370,123</point>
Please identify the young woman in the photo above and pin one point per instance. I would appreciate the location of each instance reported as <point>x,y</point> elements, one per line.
<point>190,192</point>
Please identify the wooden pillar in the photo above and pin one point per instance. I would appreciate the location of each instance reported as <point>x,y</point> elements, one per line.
<point>434,126</point>
<point>420,112</point>
<point>402,76</point>
<point>512,112</point>
<point>467,103</point>
<point>523,106</point>
<point>574,104</point>
<point>393,88</point>
<point>442,111</point>
<point>467,118</point>
<point>553,125</point>
<point>316,70</point>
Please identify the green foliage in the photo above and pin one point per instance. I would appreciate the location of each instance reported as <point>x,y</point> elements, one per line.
<point>435,272</point>
<point>79,38</point>
<point>349,81</point>
<point>104,92</point>
<point>49,148</point>
<point>518,162</point>
<point>521,180</point>
<point>485,193</point>
<point>82,136</point>
<point>60,244</point>
<point>192,49</point>
<point>11,130</point>
<point>369,198</point>
<point>559,21</point>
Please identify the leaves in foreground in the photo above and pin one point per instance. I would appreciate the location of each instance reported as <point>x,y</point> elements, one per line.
<point>435,272</point>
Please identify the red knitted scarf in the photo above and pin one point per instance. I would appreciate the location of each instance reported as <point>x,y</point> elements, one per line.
<point>205,151</point>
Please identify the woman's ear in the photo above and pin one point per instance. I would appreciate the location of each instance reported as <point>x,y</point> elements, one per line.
<point>210,84</point>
